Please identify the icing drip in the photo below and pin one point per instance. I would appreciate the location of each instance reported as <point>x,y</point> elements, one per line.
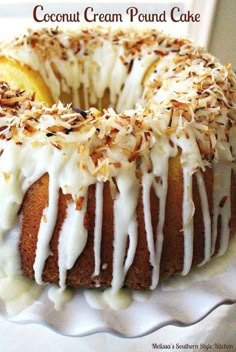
<point>191,161</point>
<point>49,217</point>
<point>9,251</point>
<point>206,217</point>
<point>59,296</point>
<point>117,78</point>
<point>160,155</point>
<point>13,183</point>
<point>132,90</point>
<point>161,191</point>
<point>155,249</point>
<point>98,227</point>
<point>147,181</point>
<point>72,240</point>
<point>221,205</point>
<point>77,237</point>
<point>18,292</point>
<point>188,212</point>
<point>102,62</point>
<point>133,240</point>
<point>99,299</point>
<point>125,224</point>
<point>46,228</point>
<point>103,299</point>
<point>62,244</point>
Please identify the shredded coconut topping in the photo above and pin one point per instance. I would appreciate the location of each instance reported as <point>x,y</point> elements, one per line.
<point>187,92</point>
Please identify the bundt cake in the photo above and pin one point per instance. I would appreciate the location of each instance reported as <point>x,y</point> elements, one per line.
<point>124,174</point>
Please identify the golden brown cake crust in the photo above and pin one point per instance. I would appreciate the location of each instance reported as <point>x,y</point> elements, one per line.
<point>139,275</point>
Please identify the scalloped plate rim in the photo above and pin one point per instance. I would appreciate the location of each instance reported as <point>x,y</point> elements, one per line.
<point>115,332</point>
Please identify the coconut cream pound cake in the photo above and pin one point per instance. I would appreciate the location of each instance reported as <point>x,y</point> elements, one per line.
<point>117,157</point>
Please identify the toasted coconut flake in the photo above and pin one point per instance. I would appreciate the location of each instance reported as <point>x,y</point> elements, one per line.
<point>79,203</point>
<point>114,188</point>
<point>6,176</point>
<point>223,201</point>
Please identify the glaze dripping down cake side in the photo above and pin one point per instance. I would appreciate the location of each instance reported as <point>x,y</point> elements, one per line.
<point>138,187</point>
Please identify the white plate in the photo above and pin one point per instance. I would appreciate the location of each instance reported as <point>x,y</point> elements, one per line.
<point>180,301</point>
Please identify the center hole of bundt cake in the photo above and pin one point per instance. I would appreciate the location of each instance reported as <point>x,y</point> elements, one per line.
<point>85,100</point>
<point>124,94</point>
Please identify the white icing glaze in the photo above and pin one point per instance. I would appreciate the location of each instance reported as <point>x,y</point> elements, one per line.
<point>188,213</point>
<point>77,237</point>
<point>18,292</point>
<point>160,155</point>
<point>72,240</point>
<point>102,299</point>
<point>132,90</point>
<point>46,228</point>
<point>98,227</point>
<point>147,181</point>
<point>125,224</point>
<point>206,217</point>
<point>59,296</point>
